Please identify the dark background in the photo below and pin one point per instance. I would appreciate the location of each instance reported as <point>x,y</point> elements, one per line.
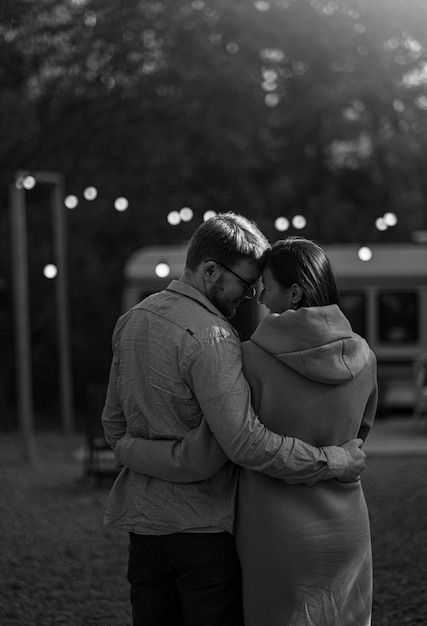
<point>268,108</point>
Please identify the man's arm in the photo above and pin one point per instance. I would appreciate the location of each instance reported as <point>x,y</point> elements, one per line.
<point>216,377</point>
<point>197,457</point>
<point>113,419</point>
<point>224,397</point>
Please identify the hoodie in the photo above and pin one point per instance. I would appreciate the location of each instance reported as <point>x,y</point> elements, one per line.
<point>317,342</point>
<point>311,376</point>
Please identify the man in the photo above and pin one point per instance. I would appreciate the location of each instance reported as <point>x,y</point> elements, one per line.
<point>177,359</point>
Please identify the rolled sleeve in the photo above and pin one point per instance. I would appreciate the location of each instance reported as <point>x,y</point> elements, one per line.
<point>337,460</point>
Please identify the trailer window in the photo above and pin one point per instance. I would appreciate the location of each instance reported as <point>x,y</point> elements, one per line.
<point>353,305</point>
<point>397,317</point>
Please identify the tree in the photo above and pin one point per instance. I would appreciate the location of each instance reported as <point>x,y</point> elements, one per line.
<point>268,107</point>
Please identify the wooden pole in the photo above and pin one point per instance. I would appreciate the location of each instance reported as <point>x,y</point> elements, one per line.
<point>24,381</point>
<point>65,378</point>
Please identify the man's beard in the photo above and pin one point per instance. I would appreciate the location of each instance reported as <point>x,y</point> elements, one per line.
<point>226,306</point>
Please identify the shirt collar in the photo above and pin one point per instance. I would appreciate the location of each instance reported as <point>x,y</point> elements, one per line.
<point>191,292</point>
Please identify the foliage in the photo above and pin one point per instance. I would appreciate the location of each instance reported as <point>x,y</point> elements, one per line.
<point>267,107</point>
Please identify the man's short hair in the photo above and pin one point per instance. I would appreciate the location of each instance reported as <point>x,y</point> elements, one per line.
<point>227,238</point>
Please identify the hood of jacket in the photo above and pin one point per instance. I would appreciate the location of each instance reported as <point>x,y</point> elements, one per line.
<point>317,342</point>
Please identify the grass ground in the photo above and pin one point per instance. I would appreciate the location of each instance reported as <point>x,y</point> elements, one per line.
<point>60,566</point>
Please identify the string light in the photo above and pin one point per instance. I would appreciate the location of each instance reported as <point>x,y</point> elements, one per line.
<point>173,218</point>
<point>365,253</point>
<point>50,271</point>
<point>299,222</point>
<point>90,193</point>
<point>281,224</point>
<point>390,219</point>
<point>380,224</point>
<point>162,269</point>
<point>121,204</point>
<point>29,182</point>
<point>186,214</point>
<point>71,202</point>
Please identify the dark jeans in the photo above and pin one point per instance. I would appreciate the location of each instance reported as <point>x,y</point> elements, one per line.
<point>185,579</point>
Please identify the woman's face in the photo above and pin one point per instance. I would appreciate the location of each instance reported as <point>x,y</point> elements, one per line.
<point>277,299</point>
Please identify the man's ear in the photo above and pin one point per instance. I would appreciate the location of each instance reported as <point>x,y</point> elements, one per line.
<point>209,269</point>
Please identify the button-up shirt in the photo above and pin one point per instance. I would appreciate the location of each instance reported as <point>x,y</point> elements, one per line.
<point>176,358</point>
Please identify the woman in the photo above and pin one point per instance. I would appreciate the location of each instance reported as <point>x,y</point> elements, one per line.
<point>305,550</point>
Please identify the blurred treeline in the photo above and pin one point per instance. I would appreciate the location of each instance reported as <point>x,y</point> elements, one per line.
<point>270,108</point>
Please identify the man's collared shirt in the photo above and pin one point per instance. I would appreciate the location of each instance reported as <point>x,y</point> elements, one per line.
<point>175,359</point>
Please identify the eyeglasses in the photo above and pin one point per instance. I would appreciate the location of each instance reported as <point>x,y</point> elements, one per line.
<point>251,289</point>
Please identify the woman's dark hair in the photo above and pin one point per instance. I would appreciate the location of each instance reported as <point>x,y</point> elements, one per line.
<point>301,261</point>
<point>227,238</point>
